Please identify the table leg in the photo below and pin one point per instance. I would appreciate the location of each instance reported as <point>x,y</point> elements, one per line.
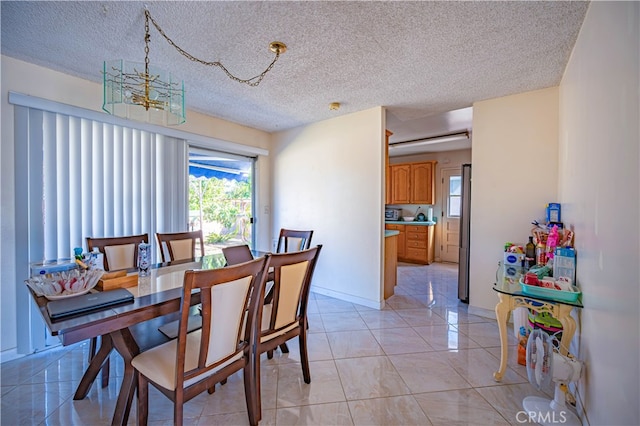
<point>97,361</point>
<point>126,345</point>
<point>502,315</point>
<point>568,327</point>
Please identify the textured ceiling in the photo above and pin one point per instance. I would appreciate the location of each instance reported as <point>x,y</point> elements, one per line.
<point>420,60</point>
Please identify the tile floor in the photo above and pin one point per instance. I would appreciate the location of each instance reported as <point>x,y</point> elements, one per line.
<point>423,360</point>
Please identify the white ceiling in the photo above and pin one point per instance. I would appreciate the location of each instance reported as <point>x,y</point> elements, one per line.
<point>426,62</point>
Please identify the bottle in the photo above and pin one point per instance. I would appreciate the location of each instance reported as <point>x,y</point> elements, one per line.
<point>530,253</point>
<point>552,242</point>
<point>144,259</point>
<point>96,260</point>
<point>522,347</point>
<point>541,253</point>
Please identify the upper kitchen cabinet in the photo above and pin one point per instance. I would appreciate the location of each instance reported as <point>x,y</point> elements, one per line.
<point>413,183</point>
<point>423,183</point>
<point>400,183</point>
<point>387,172</point>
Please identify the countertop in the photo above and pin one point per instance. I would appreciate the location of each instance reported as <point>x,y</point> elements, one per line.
<point>401,222</point>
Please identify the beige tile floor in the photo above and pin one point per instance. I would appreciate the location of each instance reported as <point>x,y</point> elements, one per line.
<point>423,360</point>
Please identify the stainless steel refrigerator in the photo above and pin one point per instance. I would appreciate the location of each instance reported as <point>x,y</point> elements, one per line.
<point>465,232</point>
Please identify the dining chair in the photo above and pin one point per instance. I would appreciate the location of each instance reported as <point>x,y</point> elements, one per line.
<point>179,245</point>
<point>194,362</point>
<point>237,254</point>
<point>118,252</point>
<point>285,316</point>
<point>292,240</point>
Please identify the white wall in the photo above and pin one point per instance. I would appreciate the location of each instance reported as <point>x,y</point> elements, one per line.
<point>41,82</point>
<point>514,175</point>
<point>328,177</point>
<point>599,187</point>
<point>446,160</point>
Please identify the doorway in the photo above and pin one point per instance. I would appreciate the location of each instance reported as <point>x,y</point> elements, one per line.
<point>221,197</point>
<point>451,205</point>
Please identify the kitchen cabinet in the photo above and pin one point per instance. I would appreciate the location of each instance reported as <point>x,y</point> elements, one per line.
<point>400,184</point>
<point>401,238</point>
<point>387,171</point>
<point>390,264</point>
<point>413,183</point>
<point>415,243</point>
<point>422,183</point>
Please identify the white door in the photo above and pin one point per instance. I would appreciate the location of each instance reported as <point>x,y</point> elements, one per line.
<point>451,193</point>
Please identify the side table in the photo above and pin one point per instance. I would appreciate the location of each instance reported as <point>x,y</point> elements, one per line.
<point>512,297</point>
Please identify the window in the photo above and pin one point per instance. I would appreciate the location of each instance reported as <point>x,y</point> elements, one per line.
<point>455,196</point>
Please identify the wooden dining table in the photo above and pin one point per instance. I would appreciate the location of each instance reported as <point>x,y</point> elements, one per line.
<point>132,327</point>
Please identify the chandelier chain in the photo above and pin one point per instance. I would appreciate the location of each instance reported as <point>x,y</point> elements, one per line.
<point>147,38</point>
<point>253,81</point>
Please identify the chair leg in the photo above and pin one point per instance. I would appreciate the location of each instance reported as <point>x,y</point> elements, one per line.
<point>304,356</point>
<point>284,348</point>
<point>178,412</point>
<point>252,394</point>
<point>212,389</point>
<point>143,400</point>
<point>270,354</point>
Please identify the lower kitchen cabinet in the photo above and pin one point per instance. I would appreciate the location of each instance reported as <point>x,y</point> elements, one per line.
<point>415,243</point>
<point>401,238</point>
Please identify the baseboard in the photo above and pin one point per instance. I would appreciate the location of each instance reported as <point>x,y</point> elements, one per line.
<point>348,297</point>
<point>10,355</point>
<point>481,312</point>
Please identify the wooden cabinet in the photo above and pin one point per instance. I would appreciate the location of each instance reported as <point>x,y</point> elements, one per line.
<point>422,183</point>
<point>387,171</point>
<point>390,265</point>
<point>400,184</point>
<point>401,238</point>
<point>415,243</point>
<point>413,183</point>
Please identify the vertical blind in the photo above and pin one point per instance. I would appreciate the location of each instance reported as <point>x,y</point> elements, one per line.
<point>100,180</point>
<point>81,173</point>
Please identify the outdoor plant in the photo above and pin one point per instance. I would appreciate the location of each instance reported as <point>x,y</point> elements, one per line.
<point>221,201</point>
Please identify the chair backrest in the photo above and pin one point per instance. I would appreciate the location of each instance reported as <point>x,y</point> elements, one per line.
<point>179,245</point>
<point>289,294</point>
<point>118,252</point>
<point>292,240</point>
<point>231,305</point>
<point>237,254</point>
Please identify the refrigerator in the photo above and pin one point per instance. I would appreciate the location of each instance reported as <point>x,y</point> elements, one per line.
<point>465,229</point>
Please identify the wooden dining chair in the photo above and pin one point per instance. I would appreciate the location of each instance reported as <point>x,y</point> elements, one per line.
<point>237,254</point>
<point>292,240</point>
<point>285,316</point>
<point>194,362</point>
<point>118,252</point>
<point>180,245</point>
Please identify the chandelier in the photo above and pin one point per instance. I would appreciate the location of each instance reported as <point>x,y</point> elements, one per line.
<point>139,91</point>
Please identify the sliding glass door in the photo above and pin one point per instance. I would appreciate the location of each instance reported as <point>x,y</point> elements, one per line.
<point>221,198</point>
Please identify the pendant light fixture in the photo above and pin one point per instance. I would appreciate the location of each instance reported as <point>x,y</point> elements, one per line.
<point>147,93</point>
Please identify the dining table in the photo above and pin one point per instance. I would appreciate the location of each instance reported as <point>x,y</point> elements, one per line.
<point>132,327</point>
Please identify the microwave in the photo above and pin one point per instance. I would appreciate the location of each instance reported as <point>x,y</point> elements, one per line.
<point>392,214</point>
